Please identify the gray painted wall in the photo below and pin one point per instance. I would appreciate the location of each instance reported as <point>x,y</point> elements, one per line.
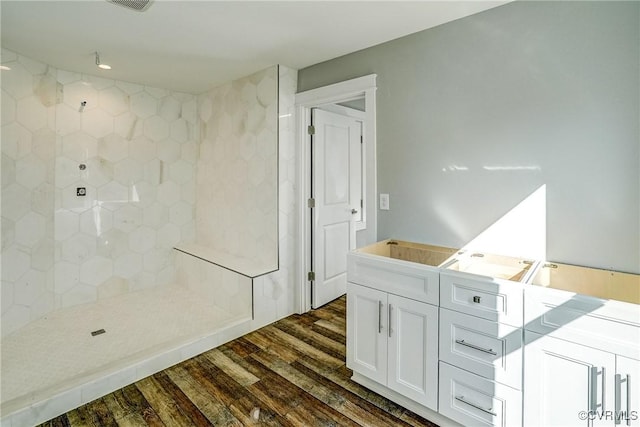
<point>476,115</point>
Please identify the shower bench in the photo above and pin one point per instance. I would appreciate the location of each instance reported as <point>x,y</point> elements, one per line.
<point>225,279</point>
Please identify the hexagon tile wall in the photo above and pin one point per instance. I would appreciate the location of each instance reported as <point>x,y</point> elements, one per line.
<point>133,150</point>
<point>29,96</point>
<point>239,164</point>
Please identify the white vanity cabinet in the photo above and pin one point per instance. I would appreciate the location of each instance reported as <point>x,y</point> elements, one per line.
<point>486,340</point>
<point>393,340</point>
<point>582,344</point>
<point>392,317</point>
<point>481,339</point>
<point>564,381</point>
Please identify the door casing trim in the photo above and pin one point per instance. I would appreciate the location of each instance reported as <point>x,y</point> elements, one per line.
<point>305,101</point>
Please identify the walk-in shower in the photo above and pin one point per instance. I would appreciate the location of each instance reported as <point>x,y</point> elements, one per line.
<point>101,181</point>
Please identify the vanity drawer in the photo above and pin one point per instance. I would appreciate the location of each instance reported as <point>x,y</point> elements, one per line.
<point>492,299</point>
<point>489,349</point>
<point>472,400</point>
<point>411,280</point>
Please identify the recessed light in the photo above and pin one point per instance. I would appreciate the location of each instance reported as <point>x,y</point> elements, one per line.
<point>100,64</point>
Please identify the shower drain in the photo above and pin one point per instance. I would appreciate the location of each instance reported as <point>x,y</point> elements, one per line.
<point>98,332</point>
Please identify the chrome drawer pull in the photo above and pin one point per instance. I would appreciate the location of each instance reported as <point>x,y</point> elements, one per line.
<point>475,347</point>
<point>488,411</point>
<point>476,299</point>
<point>379,316</point>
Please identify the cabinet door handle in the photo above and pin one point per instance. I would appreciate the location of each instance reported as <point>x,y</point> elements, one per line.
<point>604,388</point>
<point>628,408</point>
<point>379,316</point>
<point>389,321</point>
<point>488,411</point>
<point>593,393</point>
<point>594,389</point>
<point>475,347</point>
<point>618,391</point>
<point>618,400</point>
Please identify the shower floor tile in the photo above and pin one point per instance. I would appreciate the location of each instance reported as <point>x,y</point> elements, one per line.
<point>59,351</point>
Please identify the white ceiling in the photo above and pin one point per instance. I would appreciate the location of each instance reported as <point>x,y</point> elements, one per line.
<point>192,46</point>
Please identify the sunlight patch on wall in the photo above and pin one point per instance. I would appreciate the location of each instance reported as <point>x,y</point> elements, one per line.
<point>521,232</point>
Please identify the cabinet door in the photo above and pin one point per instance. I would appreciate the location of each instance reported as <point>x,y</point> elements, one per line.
<point>627,385</point>
<point>564,381</point>
<point>413,350</point>
<point>367,332</point>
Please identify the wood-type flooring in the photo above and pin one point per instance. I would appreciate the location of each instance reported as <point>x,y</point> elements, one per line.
<point>289,373</point>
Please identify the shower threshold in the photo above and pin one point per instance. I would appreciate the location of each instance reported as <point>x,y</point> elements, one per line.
<point>56,364</point>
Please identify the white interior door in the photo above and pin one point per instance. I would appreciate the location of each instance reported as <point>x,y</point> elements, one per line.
<point>336,190</point>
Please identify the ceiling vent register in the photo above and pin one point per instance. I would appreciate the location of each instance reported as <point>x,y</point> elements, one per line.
<point>137,5</point>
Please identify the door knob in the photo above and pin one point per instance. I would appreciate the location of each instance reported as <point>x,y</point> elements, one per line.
<point>354,211</point>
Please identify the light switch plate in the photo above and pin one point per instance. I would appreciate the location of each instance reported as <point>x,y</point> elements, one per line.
<point>384,202</point>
